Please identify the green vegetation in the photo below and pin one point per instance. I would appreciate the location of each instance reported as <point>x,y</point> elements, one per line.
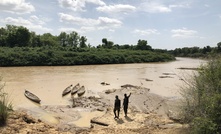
<point>196,52</point>
<point>5,105</point>
<point>40,56</point>
<point>20,47</point>
<point>202,104</point>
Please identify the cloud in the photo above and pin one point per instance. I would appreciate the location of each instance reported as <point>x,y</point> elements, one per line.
<point>68,30</point>
<point>179,6</point>
<point>146,32</point>
<point>77,20</point>
<point>82,30</point>
<point>108,22</point>
<point>79,5</point>
<point>96,2</point>
<point>35,19</point>
<point>154,7</point>
<point>35,25</point>
<point>100,23</point>
<point>184,33</point>
<point>16,6</point>
<point>116,9</point>
<point>19,21</point>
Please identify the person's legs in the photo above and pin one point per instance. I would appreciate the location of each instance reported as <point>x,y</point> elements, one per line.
<point>118,114</point>
<point>125,110</point>
<point>115,113</point>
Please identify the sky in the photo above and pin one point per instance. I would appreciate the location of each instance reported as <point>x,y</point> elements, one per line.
<point>165,24</point>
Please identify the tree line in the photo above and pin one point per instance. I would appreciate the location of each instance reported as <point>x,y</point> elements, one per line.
<point>19,36</point>
<point>196,52</point>
<point>20,47</point>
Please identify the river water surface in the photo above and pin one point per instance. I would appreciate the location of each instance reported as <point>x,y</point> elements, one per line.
<point>48,82</point>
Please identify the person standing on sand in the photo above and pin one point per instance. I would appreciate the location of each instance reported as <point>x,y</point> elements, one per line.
<point>125,103</point>
<point>117,107</point>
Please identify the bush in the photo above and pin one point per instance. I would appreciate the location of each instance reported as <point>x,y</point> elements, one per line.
<point>202,99</point>
<point>5,106</point>
<point>203,126</point>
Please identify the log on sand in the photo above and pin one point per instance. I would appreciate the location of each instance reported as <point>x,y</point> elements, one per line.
<point>99,123</point>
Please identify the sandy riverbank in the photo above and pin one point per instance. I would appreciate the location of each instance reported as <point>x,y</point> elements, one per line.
<point>148,113</point>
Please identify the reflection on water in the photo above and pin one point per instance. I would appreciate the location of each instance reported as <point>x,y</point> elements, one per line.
<point>48,82</point>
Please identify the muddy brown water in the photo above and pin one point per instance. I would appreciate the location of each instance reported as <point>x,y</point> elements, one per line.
<point>48,82</point>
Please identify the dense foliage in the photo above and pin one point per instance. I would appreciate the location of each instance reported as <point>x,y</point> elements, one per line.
<point>196,52</point>
<point>202,105</point>
<point>19,56</point>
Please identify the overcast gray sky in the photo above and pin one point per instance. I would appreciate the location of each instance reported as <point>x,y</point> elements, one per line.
<point>165,24</point>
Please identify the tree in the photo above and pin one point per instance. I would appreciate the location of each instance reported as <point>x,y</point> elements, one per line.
<point>35,40</point>
<point>104,42</point>
<point>107,44</point>
<point>185,51</point>
<point>83,41</point>
<point>194,50</point>
<point>23,36</point>
<point>48,39</point>
<point>3,36</point>
<point>126,46</point>
<point>63,38</point>
<point>207,49</point>
<point>110,44</point>
<point>142,45</point>
<point>17,36</point>
<point>219,46</point>
<point>73,39</point>
<point>177,51</point>
<point>11,40</point>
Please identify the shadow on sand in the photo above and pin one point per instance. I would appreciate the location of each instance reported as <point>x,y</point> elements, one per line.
<point>119,121</point>
<point>128,119</point>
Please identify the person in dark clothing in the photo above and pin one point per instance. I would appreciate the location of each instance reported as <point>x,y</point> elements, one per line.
<point>125,103</point>
<point>117,107</point>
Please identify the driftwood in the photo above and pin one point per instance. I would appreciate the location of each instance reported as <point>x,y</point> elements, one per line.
<point>105,83</point>
<point>99,123</point>
<point>187,68</point>
<point>128,85</point>
<point>169,74</point>
<point>108,91</point>
<point>165,77</point>
<point>146,79</point>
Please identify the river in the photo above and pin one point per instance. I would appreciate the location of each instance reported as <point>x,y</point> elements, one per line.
<point>48,82</point>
